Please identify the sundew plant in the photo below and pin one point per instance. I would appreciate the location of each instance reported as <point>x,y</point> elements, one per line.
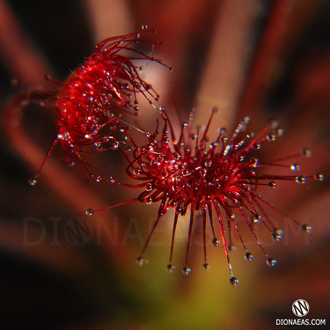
<point>164,163</point>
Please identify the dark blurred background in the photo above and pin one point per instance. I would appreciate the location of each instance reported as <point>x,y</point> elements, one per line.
<point>264,59</point>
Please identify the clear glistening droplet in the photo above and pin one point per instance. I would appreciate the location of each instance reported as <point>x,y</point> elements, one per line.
<point>277,234</point>
<point>206,266</point>
<point>307,229</point>
<point>271,262</point>
<point>233,281</point>
<point>186,270</point>
<point>170,268</point>
<point>295,167</point>
<point>272,184</point>
<point>300,179</point>
<point>215,242</point>
<point>140,261</point>
<point>248,256</point>
<point>89,212</point>
<point>32,181</point>
<point>319,177</point>
<point>306,153</point>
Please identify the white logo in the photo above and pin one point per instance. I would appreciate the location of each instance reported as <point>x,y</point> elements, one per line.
<point>300,307</point>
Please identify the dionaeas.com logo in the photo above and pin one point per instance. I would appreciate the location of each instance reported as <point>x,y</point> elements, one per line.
<point>300,307</point>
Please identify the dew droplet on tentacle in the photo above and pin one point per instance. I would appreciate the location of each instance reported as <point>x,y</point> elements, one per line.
<point>32,181</point>
<point>272,184</point>
<point>256,218</point>
<point>170,268</point>
<point>306,153</point>
<point>300,179</point>
<point>148,186</point>
<point>319,177</point>
<point>277,234</point>
<point>111,180</point>
<point>215,242</point>
<point>274,124</point>
<point>271,137</point>
<point>89,212</point>
<point>295,167</point>
<point>307,229</point>
<point>206,266</point>
<point>271,262</point>
<point>140,261</point>
<point>186,270</point>
<point>232,247</point>
<point>254,162</point>
<point>248,256</point>
<point>233,281</point>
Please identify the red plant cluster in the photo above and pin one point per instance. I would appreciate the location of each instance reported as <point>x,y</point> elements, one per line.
<point>218,179</point>
<point>92,100</point>
<point>189,174</point>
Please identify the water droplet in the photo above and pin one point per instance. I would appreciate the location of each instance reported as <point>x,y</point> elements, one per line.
<point>206,266</point>
<point>300,179</point>
<point>215,242</point>
<point>272,184</point>
<point>89,212</point>
<point>307,229</point>
<point>162,211</point>
<point>186,270</point>
<point>140,261</point>
<point>214,110</point>
<point>208,163</point>
<point>319,177</point>
<point>111,180</point>
<point>222,131</point>
<point>256,218</point>
<point>148,186</point>
<point>277,234</point>
<point>295,167</point>
<point>32,181</point>
<point>224,139</point>
<point>170,268</point>
<point>254,162</point>
<point>271,137</point>
<point>306,153</point>
<point>115,145</point>
<point>148,200</point>
<point>279,132</point>
<point>99,179</point>
<point>232,248</point>
<point>271,262</point>
<point>71,163</point>
<point>225,153</point>
<point>248,256</point>
<point>274,124</point>
<point>233,281</point>
<point>246,120</point>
